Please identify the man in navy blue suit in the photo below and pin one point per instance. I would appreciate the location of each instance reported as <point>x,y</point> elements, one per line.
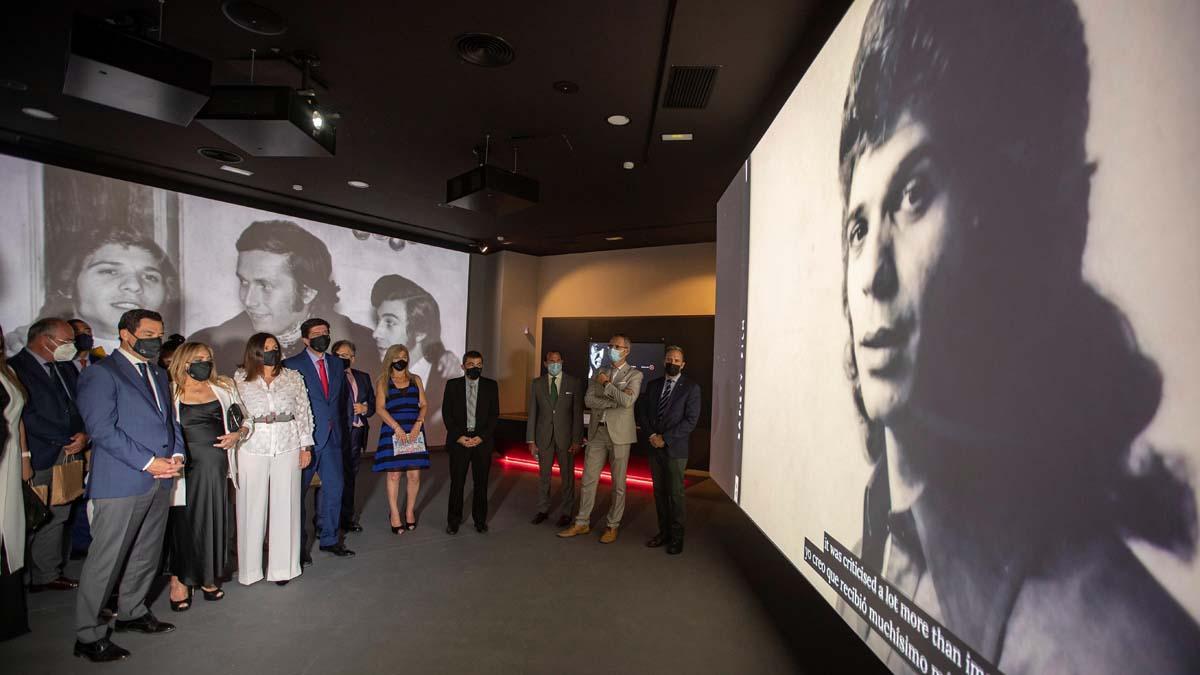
<point>325,377</point>
<point>137,447</point>
<point>361,398</point>
<point>668,412</point>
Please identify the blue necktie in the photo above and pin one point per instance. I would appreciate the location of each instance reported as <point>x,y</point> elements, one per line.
<point>146,378</point>
<point>665,398</point>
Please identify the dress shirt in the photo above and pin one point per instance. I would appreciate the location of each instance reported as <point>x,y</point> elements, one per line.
<point>557,380</point>
<point>55,376</point>
<point>287,393</point>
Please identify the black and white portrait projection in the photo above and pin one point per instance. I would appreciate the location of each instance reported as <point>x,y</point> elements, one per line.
<point>83,246</point>
<point>972,374</point>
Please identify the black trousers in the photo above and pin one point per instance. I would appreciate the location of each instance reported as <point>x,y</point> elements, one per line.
<point>667,473</point>
<point>479,460</point>
<point>358,443</point>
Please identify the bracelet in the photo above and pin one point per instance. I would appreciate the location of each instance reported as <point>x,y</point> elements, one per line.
<point>27,454</point>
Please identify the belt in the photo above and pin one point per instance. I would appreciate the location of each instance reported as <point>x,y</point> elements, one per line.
<point>274,417</point>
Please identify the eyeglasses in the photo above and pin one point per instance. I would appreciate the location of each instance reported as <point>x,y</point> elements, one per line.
<point>612,346</point>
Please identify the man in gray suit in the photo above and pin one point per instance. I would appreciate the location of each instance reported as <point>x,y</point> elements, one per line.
<point>555,429</point>
<point>611,395</point>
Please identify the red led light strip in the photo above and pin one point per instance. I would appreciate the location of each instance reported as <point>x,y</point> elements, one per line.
<point>605,475</point>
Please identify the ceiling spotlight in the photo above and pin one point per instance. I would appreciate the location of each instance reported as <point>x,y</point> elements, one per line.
<point>500,237</point>
<point>627,165</point>
<point>360,184</point>
<point>40,114</point>
<point>234,169</point>
<point>483,248</point>
<point>618,120</point>
<point>566,87</point>
<point>318,121</point>
<point>297,187</point>
<point>615,238</point>
<point>677,137</point>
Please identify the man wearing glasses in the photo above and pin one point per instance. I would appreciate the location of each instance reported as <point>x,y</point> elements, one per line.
<point>610,397</point>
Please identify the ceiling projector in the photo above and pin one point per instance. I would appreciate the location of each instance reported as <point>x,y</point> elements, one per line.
<point>269,121</point>
<point>492,190</point>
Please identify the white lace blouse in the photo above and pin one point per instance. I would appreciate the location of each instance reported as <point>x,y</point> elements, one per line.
<point>286,394</point>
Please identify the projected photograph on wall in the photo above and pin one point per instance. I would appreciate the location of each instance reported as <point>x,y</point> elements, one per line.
<point>645,356</point>
<point>972,307</point>
<point>78,245</point>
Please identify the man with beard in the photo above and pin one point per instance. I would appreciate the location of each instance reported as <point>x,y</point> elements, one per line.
<point>286,277</point>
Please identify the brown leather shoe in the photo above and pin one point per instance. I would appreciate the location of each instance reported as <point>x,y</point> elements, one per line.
<point>609,536</point>
<point>575,530</point>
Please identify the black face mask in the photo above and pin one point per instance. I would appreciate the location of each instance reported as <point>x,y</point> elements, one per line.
<point>83,342</point>
<point>271,358</point>
<point>474,373</point>
<point>319,344</point>
<point>399,365</point>
<point>672,369</point>
<point>148,349</point>
<point>200,370</point>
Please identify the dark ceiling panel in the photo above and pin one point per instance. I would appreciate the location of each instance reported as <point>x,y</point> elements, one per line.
<point>412,111</point>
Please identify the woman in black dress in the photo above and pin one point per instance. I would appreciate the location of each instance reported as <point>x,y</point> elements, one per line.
<point>198,549</point>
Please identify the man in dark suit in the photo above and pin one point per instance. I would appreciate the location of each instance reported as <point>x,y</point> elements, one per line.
<point>362,406</point>
<point>325,377</point>
<point>471,409</point>
<point>86,353</point>
<point>668,412</point>
<point>285,276</point>
<point>125,401</point>
<point>54,432</point>
<point>555,429</point>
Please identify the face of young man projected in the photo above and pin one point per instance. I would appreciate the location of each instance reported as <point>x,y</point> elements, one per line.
<point>116,279</point>
<point>273,299</point>
<point>392,327</point>
<point>903,240</point>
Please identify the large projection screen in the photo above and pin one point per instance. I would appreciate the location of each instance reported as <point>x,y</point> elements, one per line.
<point>973,307</point>
<point>78,245</point>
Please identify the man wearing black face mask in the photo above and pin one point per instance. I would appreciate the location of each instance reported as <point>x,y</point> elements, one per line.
<point>325,377</point>
<point>669,411</point>
<point>125,402</point>
<point>471,408</point>
<point>86,351</point>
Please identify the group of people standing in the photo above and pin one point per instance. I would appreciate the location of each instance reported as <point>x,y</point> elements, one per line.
<point>168,438</point>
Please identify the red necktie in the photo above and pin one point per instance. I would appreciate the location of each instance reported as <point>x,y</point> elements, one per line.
<point>324,376</point>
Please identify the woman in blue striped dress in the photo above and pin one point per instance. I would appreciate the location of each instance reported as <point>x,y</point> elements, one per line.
<point>400,403</point>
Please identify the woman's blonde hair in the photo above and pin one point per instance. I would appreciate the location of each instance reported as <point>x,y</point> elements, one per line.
<point>390,355</point>
<point>179,364</point>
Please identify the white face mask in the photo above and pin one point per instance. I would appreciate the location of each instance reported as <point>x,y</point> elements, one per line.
<point>64,352</point>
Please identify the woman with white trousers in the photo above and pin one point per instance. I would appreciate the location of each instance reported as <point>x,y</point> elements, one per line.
<point>270,461</point>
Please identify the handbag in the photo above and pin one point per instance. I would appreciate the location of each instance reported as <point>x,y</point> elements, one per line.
<point>66,481</point>
<point>37,514</point>
<point>234,417</point>
<point>414,447</point>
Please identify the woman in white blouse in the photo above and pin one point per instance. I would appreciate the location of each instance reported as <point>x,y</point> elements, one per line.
<point>14,467</point>
<point>269,462</point>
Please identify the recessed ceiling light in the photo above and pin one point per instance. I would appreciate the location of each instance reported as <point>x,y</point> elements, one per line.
<point>618,120</point>
<point>360,184</point>
<point>500,237</point>
<point>616,238</point>
<point>627,165</point>
<point>566,87</point>
<point>297,187</point>
<point>234,169</point>
<point>677,137</point>
<point>39,113</point>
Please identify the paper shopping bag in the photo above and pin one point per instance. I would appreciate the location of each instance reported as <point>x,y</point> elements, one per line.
<point>66,482</point>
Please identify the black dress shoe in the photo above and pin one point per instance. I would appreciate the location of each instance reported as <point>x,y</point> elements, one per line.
<point>282,583</point>
<point>305,560</point>
<point>100,651</point>
<point>452,529</point>
<point>59,584</point>
<point>339,550</point>
<point>352,527</point>
<point>563,521</point>
<point>656,541</point>
<point>481,527</point>
<point>540,518</point>
<point>675,548</point>
<point>146,623</point>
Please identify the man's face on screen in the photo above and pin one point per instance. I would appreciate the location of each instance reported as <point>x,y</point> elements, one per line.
<point>117,278</point>
<point>271,297</point>
<point>392,326</point>
<point>904,242</point>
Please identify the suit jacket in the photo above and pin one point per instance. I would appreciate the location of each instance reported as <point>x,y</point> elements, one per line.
<point>553,425</point>
<point>126,427</point>
<point>679,421</point>
<point>228,340</point>
<point>331,414</point>
<point>487,410</point>
<point>366,394</point>
<point>51,416</point>
<point>614,403</point>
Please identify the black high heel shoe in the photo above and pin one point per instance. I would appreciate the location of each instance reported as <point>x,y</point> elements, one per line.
<point>213,595</point>
<point>411,526</point>
<point>396,528</point>
<point>182,605</point>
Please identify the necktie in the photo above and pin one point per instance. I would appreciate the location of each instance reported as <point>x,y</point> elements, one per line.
<point>57,376</point>
<point>665,398</point>
<point>83,363</point>
<point>472,399</point>
<point>146,378</point>
<point>553,390</point>
<point>324,376</point>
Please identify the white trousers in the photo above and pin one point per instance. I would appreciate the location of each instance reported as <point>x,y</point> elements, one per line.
<point>269,489</point>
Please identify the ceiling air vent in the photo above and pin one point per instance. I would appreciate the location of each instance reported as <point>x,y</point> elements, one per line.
<point>481,49</point>
<point>690,86</point>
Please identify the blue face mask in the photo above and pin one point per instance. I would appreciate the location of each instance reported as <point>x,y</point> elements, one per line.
<point>614,354</point>
<point>554,369</point>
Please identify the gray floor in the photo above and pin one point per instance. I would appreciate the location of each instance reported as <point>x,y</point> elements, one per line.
<point>514,600</point>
